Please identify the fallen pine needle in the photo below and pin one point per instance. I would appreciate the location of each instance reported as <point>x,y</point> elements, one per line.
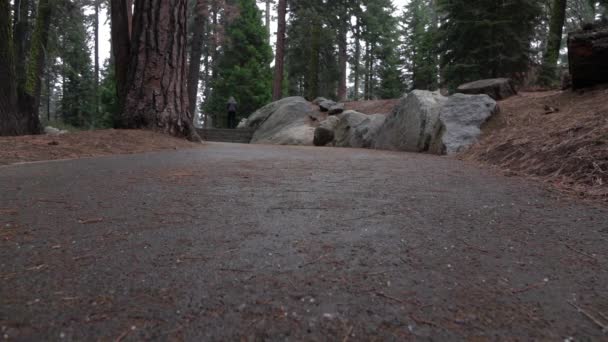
<point>95,220</point>
<point>594,319</point>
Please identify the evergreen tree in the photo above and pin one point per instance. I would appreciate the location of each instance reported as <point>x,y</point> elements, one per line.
<point>419,33</point>
<point>486,38</point>
<point>78,95</point>
<point>244,65</point>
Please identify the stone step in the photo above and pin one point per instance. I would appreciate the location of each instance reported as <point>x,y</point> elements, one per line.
<point>226,135</point>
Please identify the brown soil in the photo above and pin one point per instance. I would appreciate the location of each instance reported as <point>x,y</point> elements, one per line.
<point>559,137</point>
<point>372,106</point>
<point>84,144</point>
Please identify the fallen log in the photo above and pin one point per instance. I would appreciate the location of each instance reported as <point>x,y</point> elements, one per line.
<point>588,56</point>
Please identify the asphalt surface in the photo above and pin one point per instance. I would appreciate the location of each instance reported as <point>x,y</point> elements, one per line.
<point>244,242</point>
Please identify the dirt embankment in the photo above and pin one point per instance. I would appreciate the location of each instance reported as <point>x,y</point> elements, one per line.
<point>85,144</point>
<point>558,137</point>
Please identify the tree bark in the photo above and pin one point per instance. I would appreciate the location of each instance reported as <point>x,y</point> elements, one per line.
<point>196,51</point>
<point>554,42</point>
<point>121,46</point>
<point>29,99</point>
<point>21,29</point>
<point>9,124</point>
<point>96,34</point>
<point>279,64</point>
<point>356,68</point>
<point>342,60</point>
<point>157,95</point>
<point>268,18</point>
<point>313,70</point>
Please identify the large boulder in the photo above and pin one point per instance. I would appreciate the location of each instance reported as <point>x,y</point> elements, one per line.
<point>325,133</point>
<point>412,124</point>
<point>256,119</point>
<point>459,122</point>
<point>345,128</point>
<point>318,100</point>
<point>366,131</point>
<point>289,121</point>
<point>496,88</point>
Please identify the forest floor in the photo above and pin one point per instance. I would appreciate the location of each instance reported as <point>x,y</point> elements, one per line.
<point>558,137</point>
<point>84,144</point>
<point>253,242</point>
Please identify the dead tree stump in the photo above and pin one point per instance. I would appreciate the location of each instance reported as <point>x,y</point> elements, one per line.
<point>588,56</point>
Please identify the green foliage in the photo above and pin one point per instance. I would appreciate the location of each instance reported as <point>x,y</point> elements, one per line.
<point>107,97</point>
<point>420,55</point>
<point>77,105</point>
<point>486,38</point>
<point>244,65</point>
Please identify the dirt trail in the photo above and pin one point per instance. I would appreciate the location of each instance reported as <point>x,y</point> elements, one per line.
<point>229,242</point>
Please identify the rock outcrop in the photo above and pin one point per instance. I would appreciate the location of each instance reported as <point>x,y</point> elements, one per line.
<point>366,132</point>
<point>460,120</point>
<point>345,129</point>
<point>496,88</point>
<point>289,121</point>
<point>412,124</point>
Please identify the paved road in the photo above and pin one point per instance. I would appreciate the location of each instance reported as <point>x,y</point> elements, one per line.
<point>230,242</point>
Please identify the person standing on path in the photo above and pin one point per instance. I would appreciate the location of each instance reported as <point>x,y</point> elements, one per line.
<point>231,107</point>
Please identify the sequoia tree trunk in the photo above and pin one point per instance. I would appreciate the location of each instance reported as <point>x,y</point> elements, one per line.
<point>356,68</point>
<point>279,64</point>
<point>20,35</point>
<point>342,61</point>
<point>9,125</point>
<point>157,94</point>
<point>29,98</point>
<point>201,12</point>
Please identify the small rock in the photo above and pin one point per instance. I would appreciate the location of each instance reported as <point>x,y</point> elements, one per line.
<point>496,88</point>
<point>318,100</point>
<point>326,105</point>
<point>336,109</point>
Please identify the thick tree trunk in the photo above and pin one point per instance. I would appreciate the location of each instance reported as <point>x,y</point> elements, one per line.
<point>157,95</point>
<point>29,99</point>
<point>9,125</point>
<point>279,66</point>
<point>121,46</point>
<point>201,12</point>
<point>21,29</point>
<point>588,57</point>
<point>554,42</point>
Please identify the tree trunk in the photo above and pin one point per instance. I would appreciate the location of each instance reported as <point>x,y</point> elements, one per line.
<point>9,125</point>
<point>196,51</point>
<point>554,42</point>
<point>279,64</point>
<point>356,68</point>
<point>268,19</point>
<point>96,33</point>
<point>313,70</point>
<point>342,60</point>
<point>157,94</point>
<point>20,39</point>
<point>121,46</point>
<point>29,99</point>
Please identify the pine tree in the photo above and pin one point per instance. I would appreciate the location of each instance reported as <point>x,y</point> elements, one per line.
<point>419,52</point>
<point>486,38</point>
<point>244,65</point>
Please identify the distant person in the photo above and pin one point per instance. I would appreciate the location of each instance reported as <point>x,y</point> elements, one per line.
<point>231,106</point>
